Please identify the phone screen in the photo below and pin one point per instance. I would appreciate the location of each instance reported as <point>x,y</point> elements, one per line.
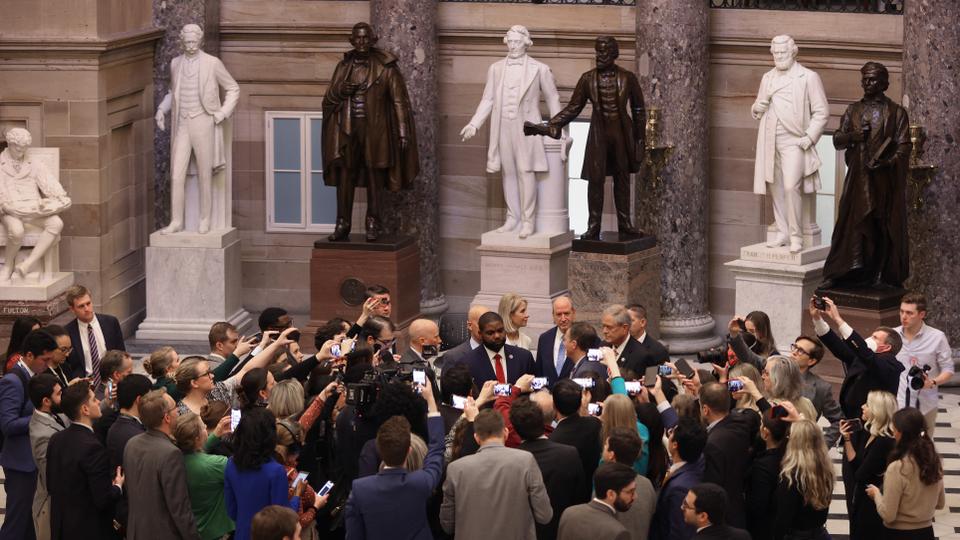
<point>419,376</point>
<point>459,402</point>
<point>538,383</point>
<point>325,489</point>
<point>633,387</point>
<point>501,390</point>
<point>234,419</point>
<point>594,355</point>
<point>594,409</point>
<point>300,478</point>
<point>650,376</point>
<point>585,382</point>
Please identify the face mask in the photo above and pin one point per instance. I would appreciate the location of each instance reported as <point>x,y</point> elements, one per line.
<point>871,344</point>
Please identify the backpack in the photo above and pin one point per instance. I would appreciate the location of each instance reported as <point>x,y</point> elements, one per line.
<point>23,379</point>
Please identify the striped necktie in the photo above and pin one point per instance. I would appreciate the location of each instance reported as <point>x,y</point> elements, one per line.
<point>94,357</point>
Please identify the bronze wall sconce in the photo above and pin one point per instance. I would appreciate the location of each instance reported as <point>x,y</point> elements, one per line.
<point>656,152</point>
<point>920,173</point>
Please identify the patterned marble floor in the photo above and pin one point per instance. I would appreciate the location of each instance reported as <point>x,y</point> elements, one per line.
<point>947,521</point>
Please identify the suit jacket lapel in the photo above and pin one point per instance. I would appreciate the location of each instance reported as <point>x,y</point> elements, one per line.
<point>529,72</point>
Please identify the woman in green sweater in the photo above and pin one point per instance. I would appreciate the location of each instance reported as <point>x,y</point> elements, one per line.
<point>204,475</point>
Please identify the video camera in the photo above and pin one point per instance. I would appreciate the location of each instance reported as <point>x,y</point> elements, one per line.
<point>916,376</point>
<point>362,395</point>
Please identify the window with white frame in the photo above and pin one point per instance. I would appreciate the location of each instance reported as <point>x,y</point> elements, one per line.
<point>297,198</point>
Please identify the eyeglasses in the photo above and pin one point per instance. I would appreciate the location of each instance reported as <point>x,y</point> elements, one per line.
<point>798,349</point>
<point>685,506</point>
<point>170,410</point>
<point>208,373</point>
<point>66,350</point>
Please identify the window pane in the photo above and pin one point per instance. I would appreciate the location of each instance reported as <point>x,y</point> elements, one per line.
<point>324,206</point>
<point>316,136</point>
<point>286,143</point>
<point>287,198</point>
<point>577,190</point>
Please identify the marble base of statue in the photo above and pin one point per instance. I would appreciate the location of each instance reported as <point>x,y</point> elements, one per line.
<point>193,281</point>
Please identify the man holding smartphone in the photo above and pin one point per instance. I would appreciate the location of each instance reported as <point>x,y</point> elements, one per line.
<point>393,503</point>
<point>423,350</point>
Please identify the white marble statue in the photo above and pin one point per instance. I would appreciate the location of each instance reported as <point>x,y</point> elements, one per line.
<point>512,96</point>
<point>197,124</point>
<point>792,108</point>
<point>29,195</point>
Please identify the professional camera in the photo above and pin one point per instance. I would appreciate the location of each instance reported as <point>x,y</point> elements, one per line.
<point>362,395</point>
<point>713,355</point>
<point>916,375</point>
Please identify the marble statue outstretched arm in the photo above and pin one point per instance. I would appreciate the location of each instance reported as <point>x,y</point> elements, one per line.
<point>819,107</point>
<point>162,110</point>
<point>483,108</point>
<point>230,87</point>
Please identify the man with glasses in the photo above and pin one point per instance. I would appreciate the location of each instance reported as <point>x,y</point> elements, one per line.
<point>806,353</point>
<point>58,360</point>
<point>379,334</point>
<point>155,472</point>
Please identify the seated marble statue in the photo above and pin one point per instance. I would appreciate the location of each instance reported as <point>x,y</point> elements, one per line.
<point>29,194</point>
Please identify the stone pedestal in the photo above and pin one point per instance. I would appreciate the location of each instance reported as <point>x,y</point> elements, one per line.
<point>553,216</point>
<point>340,273</point>
<point>193,281</point>
<point>535,268</point>
<point>866,309</point>
<point>614,271</point>
<point>780,284</point>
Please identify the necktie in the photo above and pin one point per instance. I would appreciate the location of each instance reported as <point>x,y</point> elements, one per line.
<point>561,358</point>
<point>94,357</point>
<point>501,376</point>
<point>56,418</point>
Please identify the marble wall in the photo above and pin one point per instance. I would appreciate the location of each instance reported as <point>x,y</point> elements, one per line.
<point>78,75</point>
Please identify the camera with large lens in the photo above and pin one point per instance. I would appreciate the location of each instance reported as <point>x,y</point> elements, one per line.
<point>917,376</point>
<point>713,355</point>
<point>362,395</point>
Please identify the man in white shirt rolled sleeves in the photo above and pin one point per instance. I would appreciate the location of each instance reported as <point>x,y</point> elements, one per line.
<point>926,348</point>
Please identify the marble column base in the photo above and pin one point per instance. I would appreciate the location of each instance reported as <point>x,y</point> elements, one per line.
<point>688,335</point>
<point>606,275</point>
<point>193,281</point>
<point>535,268</point>
<point>780,284</point>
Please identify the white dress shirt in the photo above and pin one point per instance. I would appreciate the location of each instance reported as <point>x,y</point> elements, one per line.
<point>85,342</point>
<point>928,348</point>
<point>493,363</point>
<point>642,337</point>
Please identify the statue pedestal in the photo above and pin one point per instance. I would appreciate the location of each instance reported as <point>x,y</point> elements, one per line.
<point>340,273</point>
<point>534,267</point>
<point>780,284</point>
<point>615,271</point>
<point>193,281</point>
<point>866,309</point>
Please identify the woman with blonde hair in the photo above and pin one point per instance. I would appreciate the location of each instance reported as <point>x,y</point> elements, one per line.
<point>782,381</point>
<point>866,450</point>
<point>287,402</point>
<point>513,310</point>
<point>618,411</point>
<point>745,400</point>
<point>805,485</point>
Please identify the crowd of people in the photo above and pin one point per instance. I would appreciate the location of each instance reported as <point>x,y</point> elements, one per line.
<point>598,435</point>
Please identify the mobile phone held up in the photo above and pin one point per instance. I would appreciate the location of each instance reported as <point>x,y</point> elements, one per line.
<point>301,477</point>
<point>650,376</point>
<point>459,402</point>
<point>501,390</point>
<point>234,419</point>
<point>819,303</point>
<point>594,409</point>
<point>326,488</point>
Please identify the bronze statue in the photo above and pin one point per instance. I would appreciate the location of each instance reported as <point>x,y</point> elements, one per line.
<point>869,246</point>
<point>369,138</point>
<point>615,142</point>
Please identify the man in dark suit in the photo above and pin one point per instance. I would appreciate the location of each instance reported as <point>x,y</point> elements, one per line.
<point>704,508</point>
<point>422,352</point>
<point>126,427</point>
<point>615,485</point>
<point>495,360</point>
<point>727,453</point>
<point>393,503</point>
<point>83,488</point>
<point>685,445</point>
<point>652,352</point>
<point>579,339</point>
<point>580,432</point>
<point>115,366</point>
<point>16,458</point>
<point>461,351</point>
<point>154,470</point>
<point>559,463</point>
<point>552,354</point>
<point>92,335</point>
<point>615,325</point>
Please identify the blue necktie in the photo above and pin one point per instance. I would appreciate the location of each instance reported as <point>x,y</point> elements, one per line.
<point>561,358</point>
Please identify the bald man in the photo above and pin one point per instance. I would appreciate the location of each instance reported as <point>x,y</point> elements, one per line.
<point>460,352</point>
<point>424,333</point>
<point>552,361</point>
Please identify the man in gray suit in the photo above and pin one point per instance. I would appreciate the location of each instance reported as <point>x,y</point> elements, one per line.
<point>155,472</point>
<point>44,391</point>
<point>806,353</point>
<point>624,446</point>
<point>597,519</point>
<point>460,352</point>
<point>497,492</point>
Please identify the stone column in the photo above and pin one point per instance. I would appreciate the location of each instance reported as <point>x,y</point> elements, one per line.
<point>931,83</point>
<point>408,29</point>
<point>672,65</point>
<point>170,16</point>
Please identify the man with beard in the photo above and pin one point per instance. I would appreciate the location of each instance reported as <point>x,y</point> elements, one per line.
<point>869,245</point>
<point>45,391</point>
<point>495,360</point>
<point>615,485</point>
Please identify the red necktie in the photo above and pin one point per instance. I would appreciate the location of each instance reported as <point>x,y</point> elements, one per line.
<point>501,376</point>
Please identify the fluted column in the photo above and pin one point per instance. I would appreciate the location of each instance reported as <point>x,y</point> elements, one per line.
<point>672,65</point>
<point>931,82</point>
<point>408,29</point>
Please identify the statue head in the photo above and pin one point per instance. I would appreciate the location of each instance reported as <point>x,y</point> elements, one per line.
<point>784,51</point>
<point>607,51</point>
<point>874,79</point>
<point>18,140</point>
<point>362,38</point>
<point>517,40</point>
<point>191,36</point>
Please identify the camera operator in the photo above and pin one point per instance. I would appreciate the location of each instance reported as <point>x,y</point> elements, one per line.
<point>926,357</point>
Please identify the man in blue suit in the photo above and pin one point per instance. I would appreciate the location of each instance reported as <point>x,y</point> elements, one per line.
<point>685,445</point>
<point>16,458</point>
<point>494,360</point>
<point>393,503</point>
<point>552,360</point>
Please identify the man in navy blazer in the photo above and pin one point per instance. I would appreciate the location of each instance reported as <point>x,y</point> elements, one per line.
<point>686,444</point>
<point>514,361</point>
<point>393,503</point>
<point>580,338</point>
<point>105,329</point>
<point>552,361</point>
<point>16,458</point>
